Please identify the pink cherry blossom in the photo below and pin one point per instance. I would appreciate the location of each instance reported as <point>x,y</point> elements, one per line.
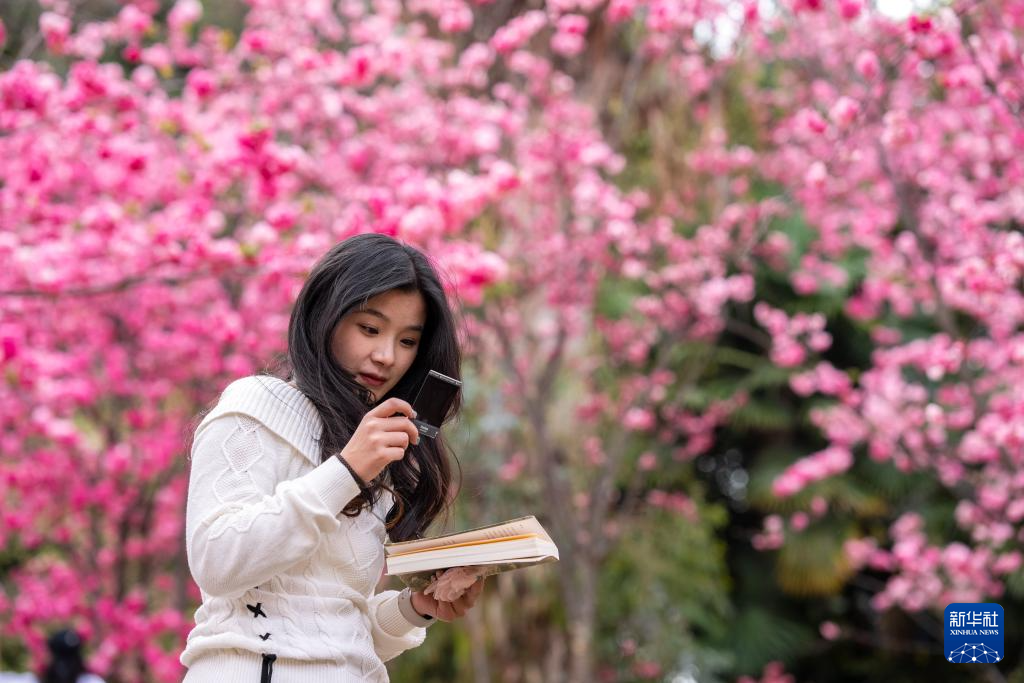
<point>56,29</point>
<point>200,181</point>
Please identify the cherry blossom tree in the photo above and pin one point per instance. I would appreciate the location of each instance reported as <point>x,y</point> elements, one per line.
<point>159,215</point>
<point>903,162</point>
<point>662,220</point>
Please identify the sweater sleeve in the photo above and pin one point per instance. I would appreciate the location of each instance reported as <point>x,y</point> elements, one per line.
<point>242,526</point>
<point>393,634</point>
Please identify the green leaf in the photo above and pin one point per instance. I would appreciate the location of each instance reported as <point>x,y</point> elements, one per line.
<point>741,359</point>
<point>683,603</point>
<point>846,494</point>
<point>766,376</point>
<point>761,415</point>
<point>812,562</point>
<point>760,636</point>
<point>615,297</point>
<point>1015,583</point>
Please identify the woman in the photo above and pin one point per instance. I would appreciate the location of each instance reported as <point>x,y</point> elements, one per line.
<point>296,484</point>
<point>64,666</point>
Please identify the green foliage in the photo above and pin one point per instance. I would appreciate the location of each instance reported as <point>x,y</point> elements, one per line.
<point>740,117</point>
<point>434,661</point>
<point>770,464</point>
<point>639,172</point>
<point>800,235</point>
<point>13,655</point>
<point>665,588</point>
<point>812,562</point>
<point>760,415</point>
<point>1015,584</point>
<point>759,636</point>
<point>615,297</point>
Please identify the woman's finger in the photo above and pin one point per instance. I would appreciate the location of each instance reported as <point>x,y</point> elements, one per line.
<point>390,407</point>
<point>396,439</point>
<point>464,603</point>
<point>444,611</point>
<point>468,598</point>
<point>394,453</point>
<point>477,588</point>
<point>402,425</point>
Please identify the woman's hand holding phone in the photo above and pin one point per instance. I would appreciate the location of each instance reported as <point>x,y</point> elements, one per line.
<point>381,437</point>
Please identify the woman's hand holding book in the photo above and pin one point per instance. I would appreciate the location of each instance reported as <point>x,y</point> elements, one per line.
<point>429,606</point>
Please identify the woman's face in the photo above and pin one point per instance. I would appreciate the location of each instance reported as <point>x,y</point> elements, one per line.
<point>378,342</point>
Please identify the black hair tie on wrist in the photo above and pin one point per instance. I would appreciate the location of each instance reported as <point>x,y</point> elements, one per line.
<point>363,488</point>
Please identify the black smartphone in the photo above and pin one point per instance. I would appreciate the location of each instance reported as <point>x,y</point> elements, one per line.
<point>432,401</point>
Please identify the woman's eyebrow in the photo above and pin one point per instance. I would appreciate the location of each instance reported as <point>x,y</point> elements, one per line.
<point>378,314</point>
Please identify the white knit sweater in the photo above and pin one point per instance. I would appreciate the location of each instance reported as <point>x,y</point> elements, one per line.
<point>280,569</point>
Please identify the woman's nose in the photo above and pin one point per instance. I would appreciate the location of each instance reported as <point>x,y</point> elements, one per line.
<point>383,355</point>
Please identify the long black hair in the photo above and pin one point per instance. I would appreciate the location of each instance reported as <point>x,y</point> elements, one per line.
<point>342,281</point>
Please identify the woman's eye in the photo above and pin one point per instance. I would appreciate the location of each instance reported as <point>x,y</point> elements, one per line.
<point>409,342</point>
<point>369,330</point>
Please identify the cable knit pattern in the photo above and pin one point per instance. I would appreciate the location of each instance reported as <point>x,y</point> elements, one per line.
<point>281,570</point>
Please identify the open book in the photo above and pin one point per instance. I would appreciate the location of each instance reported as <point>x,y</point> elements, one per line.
<point>496,548</point>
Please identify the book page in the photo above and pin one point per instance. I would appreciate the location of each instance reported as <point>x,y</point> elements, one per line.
<point>515,527</point>
<point>402,552</point>
<point>418,581</point>
<point>461,554</point>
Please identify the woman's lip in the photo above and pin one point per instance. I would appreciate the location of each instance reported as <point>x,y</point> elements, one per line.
<point>369,379</point>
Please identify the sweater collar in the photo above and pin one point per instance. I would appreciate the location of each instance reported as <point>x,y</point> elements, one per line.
<point>281,407</point>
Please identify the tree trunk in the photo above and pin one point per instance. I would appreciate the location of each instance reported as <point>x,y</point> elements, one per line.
<point>478,651</point>
<point>582,616</point>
